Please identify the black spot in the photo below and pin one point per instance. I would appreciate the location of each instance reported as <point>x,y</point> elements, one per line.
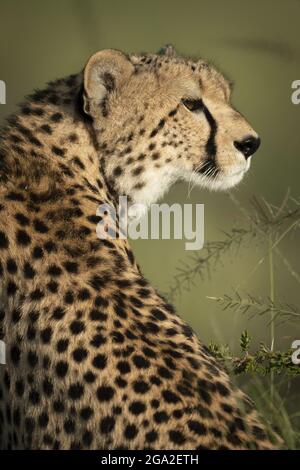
<point>123,367</point>
<point>28,270</point>
<point>137,407</point>
<point>11,288</point>
<point>86,413</point>
<point>32,358</point>
<point>62,345</point>
<point>105,393</point>
<point>69,297</point>
<point>58,313</point>
<point>98,281</point>
<point>164,373</point>
<point>52,286</point>
<point>71,266</point>
<point>58,151</point>
<point>37,252</point>
<point>16,315</point>
<point>151,436</point>
<point>34,397</point>
<point>46,128</point>
<point>69,426</point>
<point>130,432</point>
<point>197,427</point>
<point>177,437</point>
<point>170,397</point>
<point>46,334</point>
<point>87,438</point>
<point>120,311</point>
<point>77,327</point>
<point>84,294</point>
<point>54,270</point>
<point>39,226</point>
<point>31,333</point>
<point>117,171</point>
<point>222,389</point>
<point>75,391</point>
<point>96,315</point>
<point>117,337</point>
<point>259,433</point>
<point>155,156</point>
<point>73,137</point>
<point>22,238</point>
<point>155,404</point>
<point>47,387</point>
<point>155,380</point>
<point>137,171</point>
<point>100,361</point>
<point>61,369</point>
<point>158,314</point>
<point>140,386</point>
<point>33,316</point>
<point>13,196</point>
<point>58,406</point>
<point>107,424</point>
<point>56,117</point>
<point>37,294</point>
<point>22,219</point>
<point>160,417</point>
<point>43,420</point>
<point>3,240</point>
<point>80,354</point>
<point>98,340</point>
<point>50,247</point>
<point>20,388</point>
<point>89,377</point>
<point>11,266</point>
<point>140,362</point>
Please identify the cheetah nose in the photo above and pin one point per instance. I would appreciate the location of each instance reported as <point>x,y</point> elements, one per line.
<point>248,145</point>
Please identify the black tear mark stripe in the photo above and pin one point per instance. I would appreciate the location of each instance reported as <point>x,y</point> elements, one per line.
<point>210,166</point>
<point>211,148</point>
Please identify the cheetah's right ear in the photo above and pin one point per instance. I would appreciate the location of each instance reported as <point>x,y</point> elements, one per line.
<point>104,72</point>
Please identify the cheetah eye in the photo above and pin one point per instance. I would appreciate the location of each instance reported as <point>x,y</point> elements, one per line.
<point>193,105</point>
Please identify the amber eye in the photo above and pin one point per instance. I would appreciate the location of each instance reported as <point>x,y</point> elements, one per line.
<point>193,105</point>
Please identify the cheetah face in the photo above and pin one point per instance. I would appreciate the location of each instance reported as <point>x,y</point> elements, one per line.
<point>159,118</point>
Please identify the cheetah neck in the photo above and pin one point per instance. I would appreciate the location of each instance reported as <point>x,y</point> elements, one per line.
<point>51,142</point>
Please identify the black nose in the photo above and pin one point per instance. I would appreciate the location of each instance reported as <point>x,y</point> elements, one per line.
<point>247,146</point>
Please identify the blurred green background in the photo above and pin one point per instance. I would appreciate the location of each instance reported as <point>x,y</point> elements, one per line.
<point>257,44</point>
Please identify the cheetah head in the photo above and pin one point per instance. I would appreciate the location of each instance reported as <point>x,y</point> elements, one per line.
<point>159,118</point>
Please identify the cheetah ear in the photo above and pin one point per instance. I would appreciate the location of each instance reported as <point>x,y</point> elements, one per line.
<point>104,72</point>
<point>168,50</point>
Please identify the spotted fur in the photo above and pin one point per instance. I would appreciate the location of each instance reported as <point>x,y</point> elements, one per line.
<point>96,358</point>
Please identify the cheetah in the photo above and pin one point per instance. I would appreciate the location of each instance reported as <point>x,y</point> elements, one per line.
<point>95,357</point>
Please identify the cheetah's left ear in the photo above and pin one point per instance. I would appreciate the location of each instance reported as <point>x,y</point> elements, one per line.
<point>168,50</point>
<point>104,72</point>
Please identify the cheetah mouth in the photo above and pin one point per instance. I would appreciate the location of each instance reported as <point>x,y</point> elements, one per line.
<point>220,179</point>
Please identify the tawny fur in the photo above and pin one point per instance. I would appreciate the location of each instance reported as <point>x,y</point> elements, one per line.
<point>95,356</point>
